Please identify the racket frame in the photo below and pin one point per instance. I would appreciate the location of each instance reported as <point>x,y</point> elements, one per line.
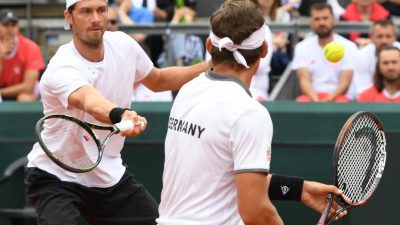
<point>86,126</point>
<point>337,148</point>
<point>344,204</point>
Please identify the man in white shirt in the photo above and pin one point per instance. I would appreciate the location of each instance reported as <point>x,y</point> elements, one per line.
<point>319,79</point>
<point>218,144</point>
<point>91,78</point>
<point>383,33</point>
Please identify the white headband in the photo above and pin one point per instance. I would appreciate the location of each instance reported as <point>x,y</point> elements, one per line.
<point>255,40</point>
<point>69,3</point>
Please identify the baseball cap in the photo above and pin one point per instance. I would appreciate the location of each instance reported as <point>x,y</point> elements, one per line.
<point>7,15</point>
<point>69,3</point>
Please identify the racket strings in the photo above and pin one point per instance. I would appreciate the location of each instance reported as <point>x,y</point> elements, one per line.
<point>359,160</point>
<point>71,144</point>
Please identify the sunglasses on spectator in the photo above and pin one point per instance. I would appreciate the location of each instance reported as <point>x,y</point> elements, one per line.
<point>113,22</point>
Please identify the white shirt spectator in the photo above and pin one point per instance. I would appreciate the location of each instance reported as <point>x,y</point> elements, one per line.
<point>324,74</point>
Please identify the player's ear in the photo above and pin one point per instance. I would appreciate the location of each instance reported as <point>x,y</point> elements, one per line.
<point>208,45</point>
<point>265,49</point>
<point>68,16</point>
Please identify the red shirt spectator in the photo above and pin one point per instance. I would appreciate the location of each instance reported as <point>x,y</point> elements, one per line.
<point>20,61</point>
<point>357,11</point>
<point>27,57</point>
<point>372,94</point>
<point>386,87</point>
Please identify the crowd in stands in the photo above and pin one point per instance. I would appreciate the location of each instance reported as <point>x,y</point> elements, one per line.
<point>369,71</point>
<point>21,61</point>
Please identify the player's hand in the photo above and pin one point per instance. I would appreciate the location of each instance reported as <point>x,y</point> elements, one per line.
<point>140,123</point>
<point>314,196</point>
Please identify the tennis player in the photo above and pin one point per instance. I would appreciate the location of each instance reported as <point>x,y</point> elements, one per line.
<point>91,78</point>
<point>218,144</point>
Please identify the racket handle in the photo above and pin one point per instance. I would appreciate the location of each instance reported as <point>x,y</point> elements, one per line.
<point>325,212</point>
<point>125,125</point>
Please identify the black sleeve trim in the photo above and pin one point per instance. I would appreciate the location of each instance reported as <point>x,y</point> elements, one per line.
<point>251,171</point>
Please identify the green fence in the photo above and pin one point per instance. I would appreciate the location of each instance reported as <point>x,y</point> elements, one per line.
<point>304,135</point>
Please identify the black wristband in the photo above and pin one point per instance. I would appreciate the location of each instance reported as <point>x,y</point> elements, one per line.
<point>115,114</point>
<point>285,188</point>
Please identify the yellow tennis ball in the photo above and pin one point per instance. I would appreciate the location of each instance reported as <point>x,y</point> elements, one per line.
<point>334,51</point>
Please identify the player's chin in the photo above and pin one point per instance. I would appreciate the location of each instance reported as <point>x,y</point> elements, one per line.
<point>97,33</point>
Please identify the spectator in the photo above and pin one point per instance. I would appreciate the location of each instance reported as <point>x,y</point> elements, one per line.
<point>21,61</point>
<point>184,48</point>
<point>280,58</point>
<point>184,13</point>
<point>363,10</point>
<point>386,87</point>
<point>112,19</point>
<point>140,92</point>
<point>319,79</point>
<point>292,7</point>
<point>163,12</point>
<point>131,15</point>
<point>393,6</point>
<point>149,4</point>
<point>383,33</point>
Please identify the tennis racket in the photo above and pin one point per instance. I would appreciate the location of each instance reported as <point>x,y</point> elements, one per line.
<point>358,163</point>
<point>73,144</point>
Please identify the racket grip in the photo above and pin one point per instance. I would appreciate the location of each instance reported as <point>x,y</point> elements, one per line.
<point>125,125</point>
<point>325,212</point>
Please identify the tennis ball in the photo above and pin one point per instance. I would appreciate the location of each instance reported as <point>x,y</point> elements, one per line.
<point>334,51</point>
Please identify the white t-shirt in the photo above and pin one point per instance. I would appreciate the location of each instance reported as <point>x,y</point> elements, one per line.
<point>325,76</point>
<point>215,129</point>
<point>124,63</point>
<point>365,67</point>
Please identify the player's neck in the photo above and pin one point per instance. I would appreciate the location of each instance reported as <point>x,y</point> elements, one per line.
<point>324,41</point>
<point>90,52</point>
<point>392,87</point>
<point>245,75</point>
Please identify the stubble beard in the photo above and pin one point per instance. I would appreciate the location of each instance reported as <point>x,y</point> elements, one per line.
<point>324,34</point>
<point>91,42</point>
<point>390,78</point>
